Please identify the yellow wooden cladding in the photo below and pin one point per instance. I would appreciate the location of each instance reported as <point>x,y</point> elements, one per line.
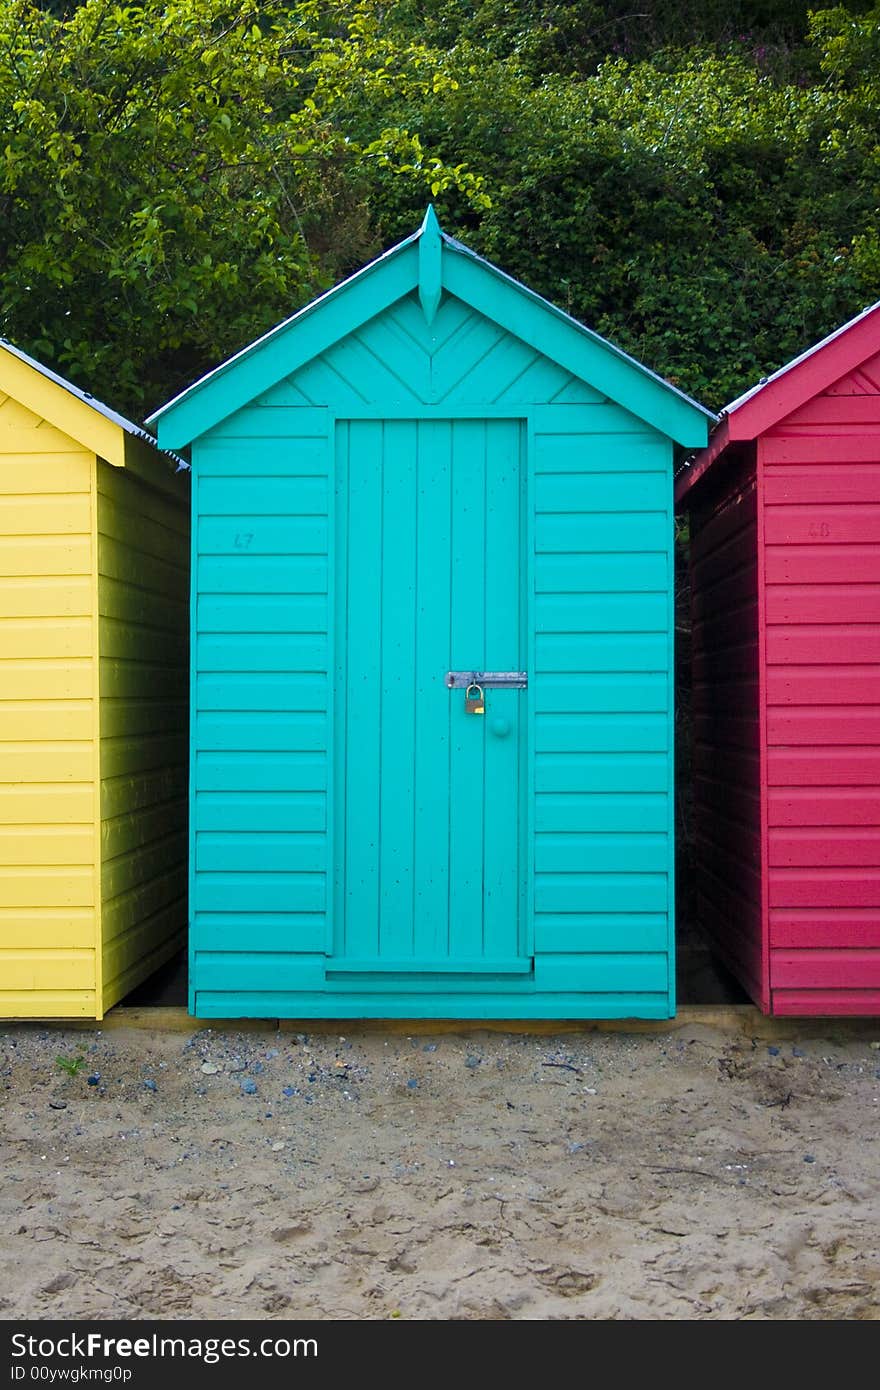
<point>93,585</point>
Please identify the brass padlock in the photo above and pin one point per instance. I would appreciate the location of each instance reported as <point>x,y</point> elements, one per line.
<point>474,704</point>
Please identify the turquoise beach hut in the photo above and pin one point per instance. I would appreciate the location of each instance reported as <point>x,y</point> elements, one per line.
<point>432,629</point>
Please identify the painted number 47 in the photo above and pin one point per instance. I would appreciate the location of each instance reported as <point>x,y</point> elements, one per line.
<point>243,540</point>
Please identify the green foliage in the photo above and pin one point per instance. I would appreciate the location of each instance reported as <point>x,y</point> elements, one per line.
<point>699,182</point>
<point>71,1065</point>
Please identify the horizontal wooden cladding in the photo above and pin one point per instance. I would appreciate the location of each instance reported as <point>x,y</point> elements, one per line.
<point>716,663</point>
<point>568,852</point>
<point>262,535</point>
<point>259,652</point>
<point>45,596</point>
<point>810,524</point>
<point>823,644</point>
<point>140,515</point>
<point>817,449</point>
<point>46,679</point>
<point>823,603</point>
<point>140,864</point>
<point>276,931</point>
<point>580,811</point>
<point>30,845</point>
<point>266,730</point>
<point>296,454</point>
<point>232,613</point>
<point>832,685</point>
<point>789,485</point>
<point>235,771</point>
<point>601,772</point>
<point>259,812</point>
<point>567,492</point>
<point>48,1003</point>
<point>45,803</point>
<point>612,572</point>
<point>817,927</point>
<point>276,496</point>
<point>572,932</point>
<point>600,652</point>
<point>275,892</point>
<point>46,514</point>
<point>262,574</point>
<point>270,851</point>
<point>804,806</point>
<point>133,830</point>
<point>612,440</point>
<point>589,532</point>
<point>45,928</point>
<point>831,410</point>
<point>151,607</point>
<point>823,766</point>
<point>601,893</point>
<point>825,969</point>
<point>713,559</point>
<point>52,721</point>
<point>579,614</point>
<point>39,762</point>
<point>123,561</point>
<point>45,555</point>
<point>728,699</point>
<point>734,862</point>
<point>606,970</point>
<point>726,627</point>
<point>42,969</point>
<point>47,886</point>
<point>733,591</point>
<point>724,730</point>
<point>29,638</point>
<point>847,846</point>
<point>824,887</point>
<point>815,1003</point>
<point>825,562</point>
<point>287,691</point>
<point>49,472</point>
<point>789,725</point>
<point>601,733</point>
<point>559,692</point>
<point>727,800</point>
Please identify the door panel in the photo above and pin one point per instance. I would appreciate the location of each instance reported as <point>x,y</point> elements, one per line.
<point>428,805</point>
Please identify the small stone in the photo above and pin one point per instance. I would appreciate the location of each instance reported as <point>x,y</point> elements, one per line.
<point>430,1047</point>
<point>210,1068</point>
<point>278,1146</point>
<point>257,1068</point>
<point>472,1062</point>
<point>57,1104</point>
<point>237,1065</point>
<point>288,1091</point>
<point>273,1052</point>
<point>312,1076</point>
<point>798,1052</point>
<point>94,1079</point>
<point>249,1087</point>
<point>575,1148</point>
<point>809,1158</point>
<point>150,1085</point>
<point>774,1051</point>
<point>412,1084</point>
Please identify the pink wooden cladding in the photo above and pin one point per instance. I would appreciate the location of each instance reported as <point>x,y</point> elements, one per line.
<point>820,470</point>
<point>726,733</point>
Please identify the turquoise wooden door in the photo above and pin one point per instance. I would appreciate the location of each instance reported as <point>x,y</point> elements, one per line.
<point>429,800</point>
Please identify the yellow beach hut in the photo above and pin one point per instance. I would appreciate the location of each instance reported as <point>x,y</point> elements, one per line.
<point>94,575</point>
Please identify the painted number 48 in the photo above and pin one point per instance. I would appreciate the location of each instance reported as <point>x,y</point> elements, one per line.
<point>820,530</point>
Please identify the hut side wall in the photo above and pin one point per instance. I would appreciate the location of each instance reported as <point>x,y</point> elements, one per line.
<point>727,781</point>
<point>600,800</point>
<point>820,471</point>
<point>143,568</point>
<point>48,722</point>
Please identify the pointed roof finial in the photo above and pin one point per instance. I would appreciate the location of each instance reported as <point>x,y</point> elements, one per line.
<point>430,264</point>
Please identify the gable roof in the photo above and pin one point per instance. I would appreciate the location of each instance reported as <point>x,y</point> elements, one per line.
<point>430,262</point>
<point>774,397</point>
<point>75,412</point>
